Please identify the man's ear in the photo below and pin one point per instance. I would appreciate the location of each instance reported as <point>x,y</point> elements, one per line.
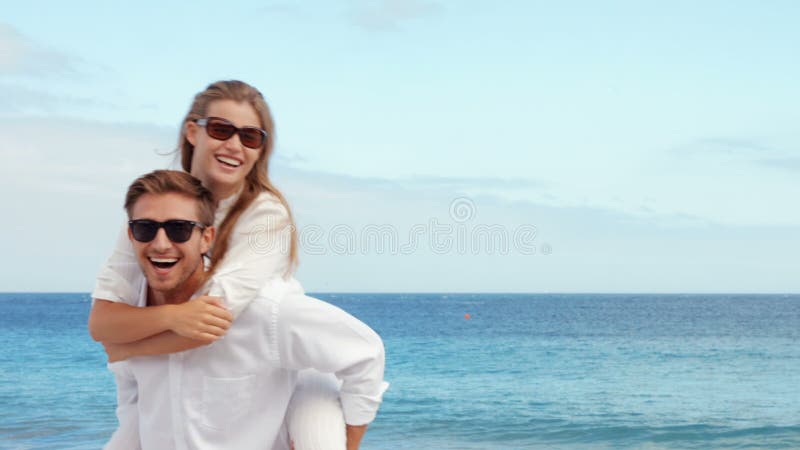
<point>130,234</point>
<point>191,132</point>
<point>207,239</point>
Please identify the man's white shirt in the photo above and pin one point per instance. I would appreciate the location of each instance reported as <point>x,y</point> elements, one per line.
<point>233,394</point>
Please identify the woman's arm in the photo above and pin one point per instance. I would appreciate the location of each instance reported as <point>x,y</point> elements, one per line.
<point>204,319</point>
<point>115,322</point>
<point>258,251</point>
<point>116,318</point>
<point>154,345</point>
<point>117,291</point>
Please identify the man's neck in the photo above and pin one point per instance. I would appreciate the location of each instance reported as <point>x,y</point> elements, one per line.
<point>182,293</point>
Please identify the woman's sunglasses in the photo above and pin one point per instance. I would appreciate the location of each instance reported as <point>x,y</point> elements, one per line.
<point>221,129</point>
<point>178,231</point>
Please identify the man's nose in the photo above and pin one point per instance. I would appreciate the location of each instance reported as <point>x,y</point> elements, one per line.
<point>161,242</point>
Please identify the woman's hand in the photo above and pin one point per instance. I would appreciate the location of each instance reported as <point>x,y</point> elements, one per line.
<point>203,319</point>
<point>116,352</point>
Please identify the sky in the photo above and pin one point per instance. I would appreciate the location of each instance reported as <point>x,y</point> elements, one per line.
<point>428,146</point>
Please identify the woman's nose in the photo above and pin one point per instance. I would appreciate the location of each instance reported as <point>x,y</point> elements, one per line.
<point>234,142</point>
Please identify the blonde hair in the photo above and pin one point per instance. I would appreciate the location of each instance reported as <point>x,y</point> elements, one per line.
<point>255,182</point>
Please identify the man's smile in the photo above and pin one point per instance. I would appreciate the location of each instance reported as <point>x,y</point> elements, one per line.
<point>162,262</point>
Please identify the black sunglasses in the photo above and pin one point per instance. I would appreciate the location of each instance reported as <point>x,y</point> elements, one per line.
<point>221,129</point>
<point>178,231</point>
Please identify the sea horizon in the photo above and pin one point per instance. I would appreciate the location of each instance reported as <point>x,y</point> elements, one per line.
<point>483,292</point>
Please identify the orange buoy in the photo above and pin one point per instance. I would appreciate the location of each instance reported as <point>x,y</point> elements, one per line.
<point>467,316</point>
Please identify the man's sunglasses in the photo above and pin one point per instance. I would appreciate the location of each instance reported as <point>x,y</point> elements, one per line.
<point>221,129</point>
<point>178,231</point>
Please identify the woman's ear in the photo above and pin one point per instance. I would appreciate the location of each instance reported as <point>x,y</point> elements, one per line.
<point>191,132</point>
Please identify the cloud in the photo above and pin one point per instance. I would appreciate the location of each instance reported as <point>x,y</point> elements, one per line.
<point>388,15</point>
<point>733,146</point>
<point>448,184</point>
<point>736,147</point>
<point>789,163</point>
<point>20,55</point>
<point>289,159</point>
<point>452,183</point>
<point>52,154</point>
<point>370,198</point>
<point>750,151</point>
<point>19,99</point>
<point>575,248</point>
<point>477,182</point>
<point>66,180</point>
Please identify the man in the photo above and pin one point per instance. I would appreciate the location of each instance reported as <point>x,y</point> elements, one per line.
<point>232,394</point>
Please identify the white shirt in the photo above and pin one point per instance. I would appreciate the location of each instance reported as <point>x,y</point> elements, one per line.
<point>259,247</point>
<point>233,394</point>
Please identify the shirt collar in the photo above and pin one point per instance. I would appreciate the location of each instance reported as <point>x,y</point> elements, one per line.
<point>224,205</point>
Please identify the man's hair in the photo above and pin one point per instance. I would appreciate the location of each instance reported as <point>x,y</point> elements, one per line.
<point>173,181</point>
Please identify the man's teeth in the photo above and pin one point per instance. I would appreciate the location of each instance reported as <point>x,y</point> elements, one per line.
<point>164,260</point>
<point>229,161</point>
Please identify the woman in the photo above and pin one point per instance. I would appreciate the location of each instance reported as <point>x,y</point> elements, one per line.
<point>226,141</point>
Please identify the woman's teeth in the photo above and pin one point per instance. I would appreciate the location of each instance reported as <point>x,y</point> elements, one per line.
<point>229,161</point>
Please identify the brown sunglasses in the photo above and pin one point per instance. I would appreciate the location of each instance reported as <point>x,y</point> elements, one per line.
<point>221,129</point>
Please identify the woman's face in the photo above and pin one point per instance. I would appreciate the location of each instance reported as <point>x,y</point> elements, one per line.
<point>223,165</point>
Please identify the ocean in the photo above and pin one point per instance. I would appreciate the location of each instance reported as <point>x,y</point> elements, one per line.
<point>481,371</point>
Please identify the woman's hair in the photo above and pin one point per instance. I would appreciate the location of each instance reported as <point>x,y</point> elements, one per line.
<point>173,182</point>
<point>257,180</point>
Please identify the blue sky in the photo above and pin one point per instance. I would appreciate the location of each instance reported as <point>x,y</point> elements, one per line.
<point>653,146</point>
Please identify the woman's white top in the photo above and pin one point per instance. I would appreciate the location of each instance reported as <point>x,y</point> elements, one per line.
<point>258,251</point>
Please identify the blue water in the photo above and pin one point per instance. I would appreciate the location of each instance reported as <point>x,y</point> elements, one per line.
<point>524,372</point>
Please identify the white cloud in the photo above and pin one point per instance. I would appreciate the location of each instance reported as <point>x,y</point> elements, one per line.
<point>18,100</point>
<point>747,148</point>
<point>388,15</point>
<point>479,182</point>
<point>20,55</point>
<point>734,146</point>
<point>788,163</point>
<point>48,153</point>
<point>64,181</point>
<point>592,249</point>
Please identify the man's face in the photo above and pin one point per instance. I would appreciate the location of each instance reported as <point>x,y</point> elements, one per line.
<point>166,264</point>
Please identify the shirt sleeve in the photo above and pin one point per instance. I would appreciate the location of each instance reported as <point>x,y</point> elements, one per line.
<point>310,333</point>
<point>116,281</point>
<point>258,252</point>
<point>126,436</point>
